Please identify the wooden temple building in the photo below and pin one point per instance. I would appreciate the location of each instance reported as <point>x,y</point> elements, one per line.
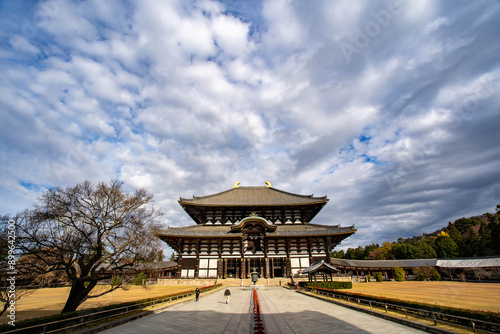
<point>246,229</point>
<point>325,270</point>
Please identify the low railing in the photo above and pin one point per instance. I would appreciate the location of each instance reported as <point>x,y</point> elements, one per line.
<point>87,319</point>
<point>473,324</point>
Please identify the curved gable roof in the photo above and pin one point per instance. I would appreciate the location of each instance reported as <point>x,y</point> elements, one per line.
<point>253,196</point>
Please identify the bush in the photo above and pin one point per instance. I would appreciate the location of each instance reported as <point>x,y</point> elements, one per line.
<point>140,279</point>
<point>399,274</point>
<point>421,274</point>
<point>368,278</point>
<point>427,273</point>
<point>378,276</point>
<point>330,285</point>
<point>435,275</point>
<point>116,281</point>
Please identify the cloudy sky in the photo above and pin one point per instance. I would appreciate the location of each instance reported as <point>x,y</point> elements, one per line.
<point>390,108</point>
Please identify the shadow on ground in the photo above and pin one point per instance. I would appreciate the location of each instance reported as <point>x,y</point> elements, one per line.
<point>216,322</point>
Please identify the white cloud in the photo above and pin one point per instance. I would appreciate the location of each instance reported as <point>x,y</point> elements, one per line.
<point>22,44</point>
<point>284,27</point>
<point>231,35</point>
<point>188,98</point>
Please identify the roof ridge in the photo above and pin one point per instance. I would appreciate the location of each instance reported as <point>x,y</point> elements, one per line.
<point>183,199</point>
<point>290,193</point>
<point>206,196</point>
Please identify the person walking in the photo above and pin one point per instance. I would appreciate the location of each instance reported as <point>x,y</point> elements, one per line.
<point>227,294</point>
<point>197,293</point>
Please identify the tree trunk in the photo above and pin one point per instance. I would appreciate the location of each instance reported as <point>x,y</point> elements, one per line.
<point>77,295</point>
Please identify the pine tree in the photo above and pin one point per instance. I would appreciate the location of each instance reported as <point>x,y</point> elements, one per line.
<point>446,247</point>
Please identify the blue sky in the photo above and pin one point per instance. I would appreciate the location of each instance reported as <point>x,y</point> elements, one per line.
<point>390,108</point>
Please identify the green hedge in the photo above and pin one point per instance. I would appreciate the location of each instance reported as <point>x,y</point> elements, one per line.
<point>139,279</point>
<point>57,317</point>
<point>330,285</point>
<point>399,274</point>
<point>427,273</point>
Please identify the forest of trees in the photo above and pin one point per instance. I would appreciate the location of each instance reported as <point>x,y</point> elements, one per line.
<point>465,237</point>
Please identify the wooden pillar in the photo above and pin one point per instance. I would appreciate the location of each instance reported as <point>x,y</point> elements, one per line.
<point>180,249</point>
<point>288,267</point>
<point>179,267</point>
<point>243,268</point>
<point>237,264</point>
<point>271,274</point>
<point>243,262</point>
<point>197,268</point>
<point>328,248</point>
<point>267,274</point>
<point>225,268</point>
<point>220,268</point>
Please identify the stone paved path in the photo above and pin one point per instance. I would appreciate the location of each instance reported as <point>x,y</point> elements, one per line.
<point>285,311</point>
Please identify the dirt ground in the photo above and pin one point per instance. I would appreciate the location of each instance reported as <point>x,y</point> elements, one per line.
<point>43,302</point>
<point>475,296</point>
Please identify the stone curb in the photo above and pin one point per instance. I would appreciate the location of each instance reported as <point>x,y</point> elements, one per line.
<point>118,322</point>
<point>427,328</point>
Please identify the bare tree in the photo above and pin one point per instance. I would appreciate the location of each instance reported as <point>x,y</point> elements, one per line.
<point>9,297</point>
<point>462,275</point>
<point>449,271</point>
<point>88,231</point>
<point>481,273</point>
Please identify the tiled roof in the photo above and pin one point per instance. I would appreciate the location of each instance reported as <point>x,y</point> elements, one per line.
<point>320,267</point>
<point>253,196</point>
<point>412,263</point>
<point>143,266</point>
<point>384,263</point>
<point>156,265</point>
<point>282,231</point>
<point>480,262</point>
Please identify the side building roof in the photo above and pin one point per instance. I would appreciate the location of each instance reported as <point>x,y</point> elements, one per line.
<point>384,263</point>
<point>483,262</point>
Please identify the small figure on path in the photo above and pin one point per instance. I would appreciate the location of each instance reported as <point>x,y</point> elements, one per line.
<point>197,293</point>
<point>227,294</point>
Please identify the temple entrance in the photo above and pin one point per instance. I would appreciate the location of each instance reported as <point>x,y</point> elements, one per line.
<point>257,265</point>
<point>231,268</point>
<point>277,267</point>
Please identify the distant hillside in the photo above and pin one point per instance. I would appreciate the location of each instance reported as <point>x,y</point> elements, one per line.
<point>465,237</point>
